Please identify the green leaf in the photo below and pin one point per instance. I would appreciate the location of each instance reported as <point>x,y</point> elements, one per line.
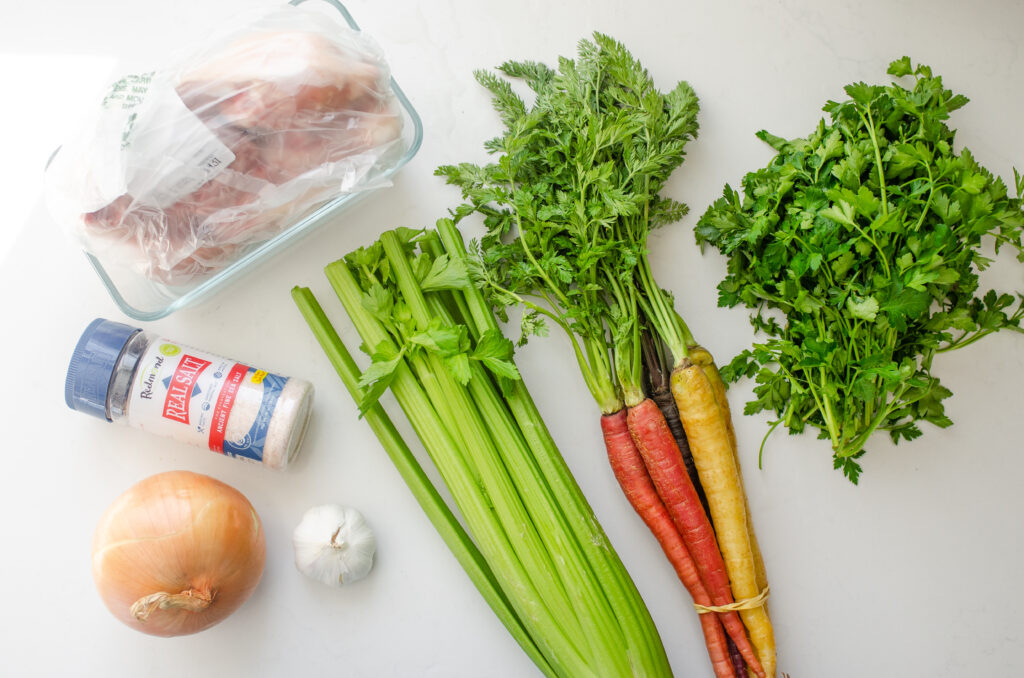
<point>917,279</point>
<point>445,340</point>
<point>495,352</point>
<point>532,324</point>
<point>842,212</point>
<point>379,302</point>
<point>866,203</point>
<point>906,305</point>
<point>378,376</point>
<point>807,303</point>
<point>843,263</point>
<point>446,274</point>
<point>458,366</point>
<point>973,183</point>
<point>864,247</point>
<point>493,344</point>
<point>862,93</point>
<point>506,102</point>
<point>850,468</point>
<point>947,209</point>
<point>505,369</point>
<point>907,431</point>
<point>901,67</point>
<point>778,143</point>
<point>865,309</point>
<point>407,236</point>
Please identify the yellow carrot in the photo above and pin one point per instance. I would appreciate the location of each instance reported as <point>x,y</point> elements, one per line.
<point>701,356</point>
<point>713,454</point>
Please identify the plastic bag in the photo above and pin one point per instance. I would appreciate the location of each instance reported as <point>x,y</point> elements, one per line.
<point>189,167</point>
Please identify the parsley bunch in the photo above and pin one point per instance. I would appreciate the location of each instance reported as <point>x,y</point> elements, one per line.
<point>858,248</point>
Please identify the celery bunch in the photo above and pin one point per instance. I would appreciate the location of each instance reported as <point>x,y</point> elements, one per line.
<point>532,544</point>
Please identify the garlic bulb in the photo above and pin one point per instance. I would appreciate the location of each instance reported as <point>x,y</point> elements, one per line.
<point>334,545</point>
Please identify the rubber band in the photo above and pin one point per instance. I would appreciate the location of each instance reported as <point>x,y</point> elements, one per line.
<point>748,604</point>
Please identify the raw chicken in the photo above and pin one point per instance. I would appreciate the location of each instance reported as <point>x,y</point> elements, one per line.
<point>305,118</point>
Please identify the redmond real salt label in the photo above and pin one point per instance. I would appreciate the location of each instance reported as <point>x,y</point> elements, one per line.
<point>203,399</point>
<point>124,374</point>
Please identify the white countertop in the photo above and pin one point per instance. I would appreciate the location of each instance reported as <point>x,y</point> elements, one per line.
<point>913,573</point>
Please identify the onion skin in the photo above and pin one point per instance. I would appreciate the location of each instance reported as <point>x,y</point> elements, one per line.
<point>183,534</point>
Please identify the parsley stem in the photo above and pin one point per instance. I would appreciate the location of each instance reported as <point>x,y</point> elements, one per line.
<point>830,417</point>
<point>969,338</point>
<point>870,122</point>
<point>928,202</point>
<point>771,429</point>
<point>857,444</point>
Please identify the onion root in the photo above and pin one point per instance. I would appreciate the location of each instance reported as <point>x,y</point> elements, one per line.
<point>191,599</point>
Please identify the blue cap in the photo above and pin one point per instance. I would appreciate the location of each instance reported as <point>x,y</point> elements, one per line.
<point>92,366</point>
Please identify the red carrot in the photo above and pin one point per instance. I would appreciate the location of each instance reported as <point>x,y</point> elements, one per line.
<point>664,464</point>
<point>714,637</point>
<point>660,391</point>
<point>629,469</point>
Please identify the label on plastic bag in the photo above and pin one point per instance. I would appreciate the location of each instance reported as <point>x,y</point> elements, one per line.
<point>124,97</point>
<point>170,153</point>
<point>93,164</point>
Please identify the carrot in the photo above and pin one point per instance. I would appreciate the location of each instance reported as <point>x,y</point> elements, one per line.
<point>661,394</point>
<point>713,453</point>
<point>631,474</point>
<point>701,356</point>
<point>664,463</point>
<point>738,665</point>
<point>714,636</point>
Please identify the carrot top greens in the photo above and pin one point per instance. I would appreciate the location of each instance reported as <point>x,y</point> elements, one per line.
<point>570,200</point>
<point>858,248</point>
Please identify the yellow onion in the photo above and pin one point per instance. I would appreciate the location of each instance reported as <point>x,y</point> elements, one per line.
<point>177,553</point>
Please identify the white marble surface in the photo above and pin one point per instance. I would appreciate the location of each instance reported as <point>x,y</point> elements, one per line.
<point>914,573</point>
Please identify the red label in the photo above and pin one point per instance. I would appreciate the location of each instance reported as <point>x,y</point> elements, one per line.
<point>225,401</point>
<point>179,391</point>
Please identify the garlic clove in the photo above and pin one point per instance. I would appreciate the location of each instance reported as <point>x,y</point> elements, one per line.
<point>334,545</point>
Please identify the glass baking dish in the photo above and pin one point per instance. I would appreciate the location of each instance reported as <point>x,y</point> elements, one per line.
<point>144,299</point>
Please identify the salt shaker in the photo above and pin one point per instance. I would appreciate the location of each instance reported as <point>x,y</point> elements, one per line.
<point>125,374</point>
